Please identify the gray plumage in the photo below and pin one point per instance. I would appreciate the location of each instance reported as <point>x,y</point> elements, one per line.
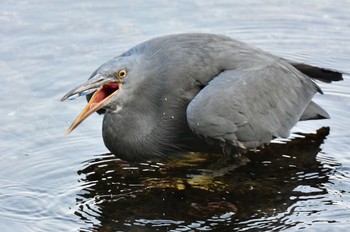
<point>204,92</point>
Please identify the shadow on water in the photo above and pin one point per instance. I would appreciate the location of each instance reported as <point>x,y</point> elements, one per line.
<point>202,192</point>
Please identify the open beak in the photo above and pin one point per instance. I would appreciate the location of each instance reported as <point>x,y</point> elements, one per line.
<point>105,88</point>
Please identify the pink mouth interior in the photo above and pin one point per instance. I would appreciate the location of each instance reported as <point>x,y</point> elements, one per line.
<point>104,92</point>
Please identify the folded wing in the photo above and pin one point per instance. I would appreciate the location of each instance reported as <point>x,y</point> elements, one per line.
<point>249,107</point>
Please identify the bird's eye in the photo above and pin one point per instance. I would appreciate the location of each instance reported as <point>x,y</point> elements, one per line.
<point>121,73</point>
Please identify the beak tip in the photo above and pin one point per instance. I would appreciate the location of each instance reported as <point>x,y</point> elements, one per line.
<point>69,130</point>
<point>65,97</point>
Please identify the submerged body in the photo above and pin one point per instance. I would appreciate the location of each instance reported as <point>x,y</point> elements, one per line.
<point>199,92</point>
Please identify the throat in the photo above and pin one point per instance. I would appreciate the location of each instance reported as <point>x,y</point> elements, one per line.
<point>130,135</point>
<point>144,133</point>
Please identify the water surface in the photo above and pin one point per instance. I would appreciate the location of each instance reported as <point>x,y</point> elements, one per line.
<point>54,183</point>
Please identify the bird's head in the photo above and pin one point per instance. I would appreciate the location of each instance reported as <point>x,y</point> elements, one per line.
<point>105,85</point>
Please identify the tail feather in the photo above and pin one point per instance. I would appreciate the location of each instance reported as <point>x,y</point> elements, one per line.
<point>317,73</point>
<point>314,111</point>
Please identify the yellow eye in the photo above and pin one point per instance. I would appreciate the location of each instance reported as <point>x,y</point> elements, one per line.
<point>121,73</point>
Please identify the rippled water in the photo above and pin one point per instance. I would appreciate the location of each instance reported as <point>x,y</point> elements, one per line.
<point>54,183</point>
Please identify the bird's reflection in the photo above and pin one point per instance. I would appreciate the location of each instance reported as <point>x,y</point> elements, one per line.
<point>200,190</point>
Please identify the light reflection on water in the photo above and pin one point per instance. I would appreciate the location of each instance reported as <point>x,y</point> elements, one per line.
<point>54,183</point>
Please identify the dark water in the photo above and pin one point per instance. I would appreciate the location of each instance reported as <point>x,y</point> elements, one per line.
<point>54,183</point>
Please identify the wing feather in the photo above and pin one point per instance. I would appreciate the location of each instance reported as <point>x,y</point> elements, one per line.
<point>251,106</point>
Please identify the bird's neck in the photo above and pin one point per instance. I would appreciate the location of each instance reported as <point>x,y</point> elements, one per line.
<point>142,133</point>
